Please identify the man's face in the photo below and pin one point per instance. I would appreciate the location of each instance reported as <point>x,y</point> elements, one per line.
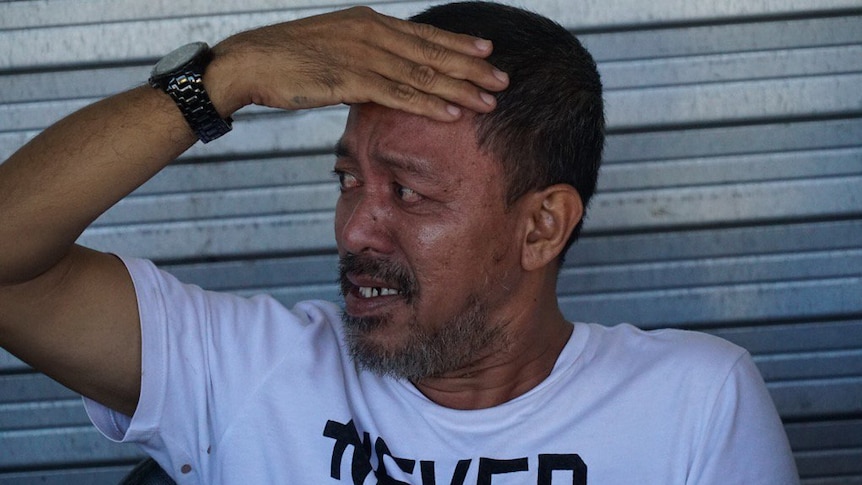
<point>429,251</point>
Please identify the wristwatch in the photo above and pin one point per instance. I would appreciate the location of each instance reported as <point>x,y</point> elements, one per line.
<point>180,74</point>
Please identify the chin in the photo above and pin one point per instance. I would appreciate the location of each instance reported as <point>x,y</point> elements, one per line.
<point>414,352</point>
<point>373,347</point>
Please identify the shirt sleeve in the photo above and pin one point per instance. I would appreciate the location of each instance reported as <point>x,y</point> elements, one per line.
<point>203,354</point>
<point>743,439</point>
<point>165,307</point>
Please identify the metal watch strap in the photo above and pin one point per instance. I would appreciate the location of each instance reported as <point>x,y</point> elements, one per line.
<point>188,92</point>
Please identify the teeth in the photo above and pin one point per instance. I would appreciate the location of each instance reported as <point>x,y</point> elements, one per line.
<point>369,292</point>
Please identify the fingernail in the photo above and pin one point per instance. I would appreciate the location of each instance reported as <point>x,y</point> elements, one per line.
<point>453,110</point>
<point>483,45</point>
<point>502,76</point>
<point>488,99</point>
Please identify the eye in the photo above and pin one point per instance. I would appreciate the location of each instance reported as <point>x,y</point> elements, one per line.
<point>407,194</point>
<point>345,180</point>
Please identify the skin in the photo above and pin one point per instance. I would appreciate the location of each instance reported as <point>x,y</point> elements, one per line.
<point>71,312</point>
<point>421,193</point>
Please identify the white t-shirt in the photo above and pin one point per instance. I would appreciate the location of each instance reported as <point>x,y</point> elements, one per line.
<point>245,391</point>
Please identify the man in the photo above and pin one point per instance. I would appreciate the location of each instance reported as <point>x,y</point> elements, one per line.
<point>453,363</point>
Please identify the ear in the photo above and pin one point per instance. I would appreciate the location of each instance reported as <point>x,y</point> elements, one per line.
<point>553,214</point>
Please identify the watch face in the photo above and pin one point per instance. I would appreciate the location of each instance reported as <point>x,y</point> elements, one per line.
<point>178,58</point>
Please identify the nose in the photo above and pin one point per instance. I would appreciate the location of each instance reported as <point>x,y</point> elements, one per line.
<point>363,223</point>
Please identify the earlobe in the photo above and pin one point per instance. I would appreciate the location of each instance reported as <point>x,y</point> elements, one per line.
<point>553,214</point>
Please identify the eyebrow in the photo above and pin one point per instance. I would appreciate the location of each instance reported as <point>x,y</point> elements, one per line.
<point>341,150</point>
<point>416,166</point>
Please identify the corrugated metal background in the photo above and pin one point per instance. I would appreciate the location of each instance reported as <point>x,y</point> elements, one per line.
<point>730,200</point>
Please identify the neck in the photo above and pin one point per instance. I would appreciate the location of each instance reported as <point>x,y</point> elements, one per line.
<point>503,374</point>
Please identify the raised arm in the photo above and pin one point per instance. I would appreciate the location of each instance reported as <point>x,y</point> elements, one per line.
<point>71,312</point>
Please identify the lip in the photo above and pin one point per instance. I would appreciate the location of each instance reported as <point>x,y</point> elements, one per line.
<point>358,280</point>
<point>357,306</point>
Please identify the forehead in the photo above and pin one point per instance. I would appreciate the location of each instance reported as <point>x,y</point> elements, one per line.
<point>400,140</point>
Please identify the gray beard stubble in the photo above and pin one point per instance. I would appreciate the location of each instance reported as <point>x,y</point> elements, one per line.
<point>425,352</point>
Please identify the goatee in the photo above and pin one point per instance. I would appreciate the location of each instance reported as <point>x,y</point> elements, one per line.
<point>426,350</point>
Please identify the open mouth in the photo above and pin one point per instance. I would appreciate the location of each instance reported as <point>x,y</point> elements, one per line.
<point>364,298</point>
<point>374,281</point>
<point>373,292</point>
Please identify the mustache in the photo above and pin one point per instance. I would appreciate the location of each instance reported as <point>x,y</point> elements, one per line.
<point>391,273</point>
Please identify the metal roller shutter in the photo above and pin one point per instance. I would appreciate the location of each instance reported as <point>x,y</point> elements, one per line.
<point>730,199</point>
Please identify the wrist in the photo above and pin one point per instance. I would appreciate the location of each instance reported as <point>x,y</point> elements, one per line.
<point>180,75</point>
<point>223,80</point>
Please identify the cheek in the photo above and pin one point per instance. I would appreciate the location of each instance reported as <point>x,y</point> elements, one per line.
<point>459,247</point>
<point>343,212</point>
<point>428,237</point>
<point>338,226</point>
<point>442,255</point>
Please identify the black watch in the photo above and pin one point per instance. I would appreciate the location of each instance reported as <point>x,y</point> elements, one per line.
<point>180,74</point>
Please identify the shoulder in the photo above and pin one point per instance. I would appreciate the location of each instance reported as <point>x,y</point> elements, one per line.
<point>666,343</point>
<point>152,282</point>
<point>700,392</point>
<point>692,360</point>
<point>252,332</point>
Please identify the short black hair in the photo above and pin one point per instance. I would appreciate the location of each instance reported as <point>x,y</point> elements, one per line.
<point>549,124</point>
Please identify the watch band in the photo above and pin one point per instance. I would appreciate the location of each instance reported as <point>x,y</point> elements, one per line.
<point>180,75</point>
<point>187,90</point>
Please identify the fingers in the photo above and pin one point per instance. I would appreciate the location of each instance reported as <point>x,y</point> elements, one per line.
<point>457,55</point>
<point>424,80</point>
<point>406,98</point>
<point>355,56</point>
<point>465,44</point>
<point>429,68</point>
